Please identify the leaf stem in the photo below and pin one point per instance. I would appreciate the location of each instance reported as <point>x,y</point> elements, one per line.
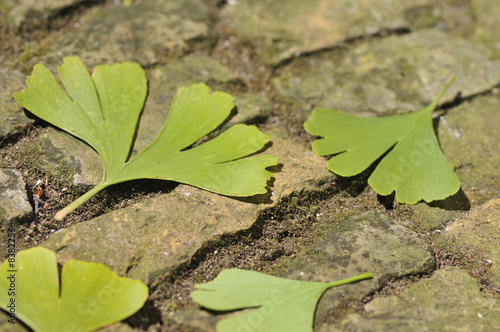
<point>79,201</point>
<point>438,98</point>
<point>350,280</point>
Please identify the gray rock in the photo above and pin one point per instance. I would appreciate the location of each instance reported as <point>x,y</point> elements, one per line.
<point>287,29</point>
<point>469,138</point>
<point>14,204</point>
<point>34,13</point>
<point>67,158</point>
<point>156,236</point>
<point>451,300</point>
<point>251,107</point>
<point>118,327</point>
<point>9,327</point>
<point>145,32</point>
<point>487,23</point>
<point>478,233</point>
<point>12,117</point>
<point>393,75</point>
<point>366,243</point>
<point>195,319</point>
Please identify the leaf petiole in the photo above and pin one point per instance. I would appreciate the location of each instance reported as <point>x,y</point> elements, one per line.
<point>350,280</point>
<point>80,200</point>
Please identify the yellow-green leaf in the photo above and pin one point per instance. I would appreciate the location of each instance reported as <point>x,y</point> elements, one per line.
<point>87,297</point>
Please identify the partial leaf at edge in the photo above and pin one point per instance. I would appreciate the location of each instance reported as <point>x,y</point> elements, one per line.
<point>92,296</point>
<point>283,304</point>
<point>279,304</point>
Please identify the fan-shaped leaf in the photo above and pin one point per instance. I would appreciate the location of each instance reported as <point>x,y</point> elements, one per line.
<point>282,304</point>
<point>415,168</point>
<point>88,296</point>
<point>103,110</point>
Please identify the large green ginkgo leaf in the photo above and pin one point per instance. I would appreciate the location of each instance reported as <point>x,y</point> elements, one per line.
<point>88,296</point>
<point>281,304</point>
<point>415,168</point>
<point>103,110</point>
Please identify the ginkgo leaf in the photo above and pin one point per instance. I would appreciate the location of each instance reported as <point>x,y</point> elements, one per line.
<point>87,297</point>
<point>103,110</point>
<point>281,304</point>
<point>415,168</point>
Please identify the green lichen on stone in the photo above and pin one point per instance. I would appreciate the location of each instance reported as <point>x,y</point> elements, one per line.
<point>451,300</point>
<point>392,76</point>
<point>469,136</point>
<point>367,242</point>
<point>487,23</point>
<point>287,29</point>
<point>12,117</point>
<point>474,239</point>
<point>118,33</point>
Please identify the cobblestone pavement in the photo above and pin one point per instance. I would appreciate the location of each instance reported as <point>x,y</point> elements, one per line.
<point>435,266</point>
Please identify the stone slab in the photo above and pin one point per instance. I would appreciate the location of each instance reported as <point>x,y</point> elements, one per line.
<point>365,243</point>
<point>284,29</point>
<point>14,204</point>
<point>451,300</point>
<point>487,23</point>
<point>154,237</point>
<point>144,32</point>
<point>368,242</point>
<point>12,116</point>
<point>35,12</point>
<point>393,75</point>
<point>480,231</point>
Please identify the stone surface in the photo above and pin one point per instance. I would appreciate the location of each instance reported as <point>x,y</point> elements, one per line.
<point>487,23</point>
<point>5,326</point>
<point>34,12</point>
<point>12,116</point>
<point>391,73</point>
<point>470,138</point>
<point>451,300</point>
<point>118,327</point>
<point>480,231</point>
<point>365,243</point>
<point>66,157</point>
<point>14,204</point>
<point>287,29</point>
<point>394,75</point>
<point>154,237</point>
<point>143,32</point>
